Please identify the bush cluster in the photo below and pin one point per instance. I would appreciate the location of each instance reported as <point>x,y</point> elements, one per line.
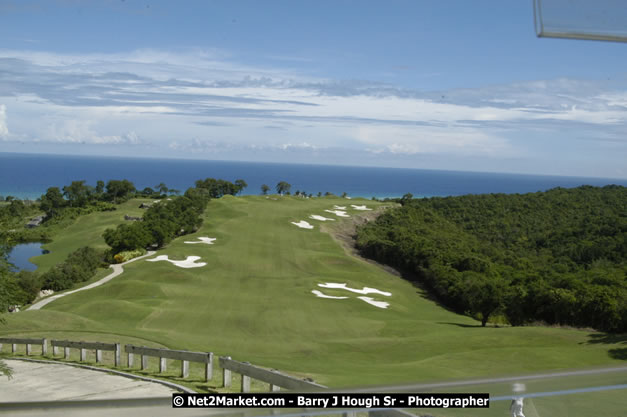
<point>79,266</point>
<point>161,223</point>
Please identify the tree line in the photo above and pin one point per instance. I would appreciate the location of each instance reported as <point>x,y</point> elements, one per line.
<point>558,257</point>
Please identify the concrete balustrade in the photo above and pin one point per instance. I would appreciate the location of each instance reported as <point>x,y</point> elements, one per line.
<point>98,347</point>
<point>182,355</point>
<point>14,341</point>
<point>274,378</point>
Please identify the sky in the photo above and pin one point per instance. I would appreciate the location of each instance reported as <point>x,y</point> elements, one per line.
<point>445,84</point>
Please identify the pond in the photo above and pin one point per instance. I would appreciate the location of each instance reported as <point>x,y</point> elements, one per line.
<point>20,255</point>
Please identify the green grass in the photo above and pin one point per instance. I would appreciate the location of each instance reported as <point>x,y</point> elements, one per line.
<point>85,231</point>
<point>253,302</point>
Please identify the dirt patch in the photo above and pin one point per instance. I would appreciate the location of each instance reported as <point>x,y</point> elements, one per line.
<point>345,233</point>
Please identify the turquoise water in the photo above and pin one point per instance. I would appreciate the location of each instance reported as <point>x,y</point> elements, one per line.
<point>20,254</point>
<point>29,175</point>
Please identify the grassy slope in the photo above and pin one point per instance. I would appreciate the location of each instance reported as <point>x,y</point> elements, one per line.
<point>85,231</point>
<point>253,302</point>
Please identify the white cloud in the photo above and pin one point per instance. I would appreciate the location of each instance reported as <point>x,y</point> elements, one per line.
<point>298,146</point>
<point>433,140</point>
<point>82,132</point>
<point>213,105</point>
<point>4,128</point>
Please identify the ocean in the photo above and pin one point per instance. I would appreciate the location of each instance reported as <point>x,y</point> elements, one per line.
<point>27,176</point>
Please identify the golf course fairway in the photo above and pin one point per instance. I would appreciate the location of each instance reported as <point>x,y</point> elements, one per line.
<point>253,301</point>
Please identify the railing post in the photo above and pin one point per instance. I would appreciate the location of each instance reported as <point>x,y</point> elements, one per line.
<point>55,350</point>
<point>28,349</point>
<point>0,347</point>
<point>44,347</point>
<point>66,352</point>
<point>226,376</point>
<point>13,347</point>
<point>83,355</point>
<point>144,362</point>
<point>116,357</point>
<point>163,365</point>
<point>184,369</point>
<point>130,360</point>
<point>209,368</point>
<point>245,383</point>
<point>98,355</point>
<point>275,388</point>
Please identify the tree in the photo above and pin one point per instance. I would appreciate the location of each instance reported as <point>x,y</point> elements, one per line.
<point>148,192</point>
<point>4,299</point>
<point>77,193</point>
<point>406,198</point>
<point>217,188</point>
<point>52,202</point>
<point>100,187</point>
<point>264,189</point>
<point>162,188</point>
<point>283,187</point>
<point>240,184</point>
<point>128,237</point>
<point>119,190</point>
<point>483,295</point>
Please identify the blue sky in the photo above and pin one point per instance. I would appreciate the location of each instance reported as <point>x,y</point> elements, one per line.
<point>417,84</point>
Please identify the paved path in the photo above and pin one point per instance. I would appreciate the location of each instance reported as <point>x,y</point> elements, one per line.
<point>33,381</point>
<point>117,270</point>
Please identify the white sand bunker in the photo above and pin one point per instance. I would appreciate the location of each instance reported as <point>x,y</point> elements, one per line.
<point>338,213</point>
<point>303,224</point>
<point>321,295</point>
<point>190,262</point>
<point>365,290</point>
<point>360,207</point>
<point>321,218</point>
<point>371,301</point>
<point>339,207</point>
<point>204,239</point>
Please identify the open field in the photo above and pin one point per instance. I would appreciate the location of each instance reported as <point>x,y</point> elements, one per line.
<point>253,301</point>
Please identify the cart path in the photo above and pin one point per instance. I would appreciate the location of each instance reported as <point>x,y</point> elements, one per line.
<point>117,270</point>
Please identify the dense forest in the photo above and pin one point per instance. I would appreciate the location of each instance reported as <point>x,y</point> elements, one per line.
<point>558,257</point>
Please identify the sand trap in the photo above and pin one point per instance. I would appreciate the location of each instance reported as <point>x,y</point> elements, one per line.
<point>338,213</point>
<point>303,224</point>
<point>321,295</point>
<point>371,301</point>
<point>360,207</point>
<point>321,218</point>
<point>365,290</point>
<point>339,207</point>
<point>190,262</point>
<point>204,239</point>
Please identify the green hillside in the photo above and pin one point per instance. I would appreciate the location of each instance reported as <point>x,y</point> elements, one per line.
<point>253,301</point>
